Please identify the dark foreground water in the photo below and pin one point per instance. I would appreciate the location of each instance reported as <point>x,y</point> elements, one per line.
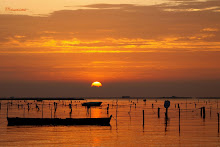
<point>126,125</point>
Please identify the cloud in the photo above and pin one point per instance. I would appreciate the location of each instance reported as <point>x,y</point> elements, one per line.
<point>129,28</point>
<point>109,6</point>
<point>210,30</point>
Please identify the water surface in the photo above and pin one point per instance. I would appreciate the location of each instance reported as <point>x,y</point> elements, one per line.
<point>126,125</point>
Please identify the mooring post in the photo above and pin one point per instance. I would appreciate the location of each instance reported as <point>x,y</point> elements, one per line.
<point>166,113</point>
<point>42,110</point>
<point>178,105</point>
<point>143,118</point>
<point>203,112</point>
<point>158,113</point>
<point>166,118</point>
<point>218,122</point>
<point>71,113</point>
<point>28,106</point>
<point>166,105</point>
<point>116,112</point>
<point>107,108</point>
<point>51,112</point>
<point>116,116</point>
<point>54,112</point>
<point>179,120</point>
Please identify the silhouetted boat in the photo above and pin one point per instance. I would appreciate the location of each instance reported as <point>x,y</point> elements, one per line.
<point>88,104</point>
<point>17,121</point>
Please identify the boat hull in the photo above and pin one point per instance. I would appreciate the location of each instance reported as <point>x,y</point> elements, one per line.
<point>89,104</point>
<point>16,121</point>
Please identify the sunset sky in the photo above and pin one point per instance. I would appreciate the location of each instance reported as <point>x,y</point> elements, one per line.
<point>133,47</point>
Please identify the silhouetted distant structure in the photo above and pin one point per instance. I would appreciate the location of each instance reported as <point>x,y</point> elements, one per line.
<point>125,97</point>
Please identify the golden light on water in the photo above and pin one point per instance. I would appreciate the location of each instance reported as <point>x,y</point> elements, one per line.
<point>96,84</point>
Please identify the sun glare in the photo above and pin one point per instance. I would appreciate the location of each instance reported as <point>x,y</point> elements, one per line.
<point>96,84</point>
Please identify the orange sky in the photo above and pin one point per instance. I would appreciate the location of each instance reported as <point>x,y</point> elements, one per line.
<point>133,41</point>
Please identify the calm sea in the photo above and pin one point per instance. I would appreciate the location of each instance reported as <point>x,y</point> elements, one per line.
<point>126,125</point>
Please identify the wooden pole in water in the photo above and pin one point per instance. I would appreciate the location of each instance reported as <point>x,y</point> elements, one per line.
<point>28,107</point>
<point>107,108</point>
<point>158,113</point>
<point>166,113</point>
<point>179,120</point>
<point>51,112</point>
<point>218,122</point>
<point>90,112</point>
<point>203,112</point>
<point>71,112</point>
<point>143,118</point>
<point>116,112</point>
<point>42,110</point>
<point>116,116</point>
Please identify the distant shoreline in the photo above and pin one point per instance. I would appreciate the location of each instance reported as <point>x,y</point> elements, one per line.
<point>41,98</point>
<point>84,98</point>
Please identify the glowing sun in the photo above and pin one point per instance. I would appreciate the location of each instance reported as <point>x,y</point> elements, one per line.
<point>96,84</point>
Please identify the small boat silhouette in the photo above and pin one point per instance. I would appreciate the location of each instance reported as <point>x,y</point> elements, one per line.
<point>18,121</point>
<point>89,104</point>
